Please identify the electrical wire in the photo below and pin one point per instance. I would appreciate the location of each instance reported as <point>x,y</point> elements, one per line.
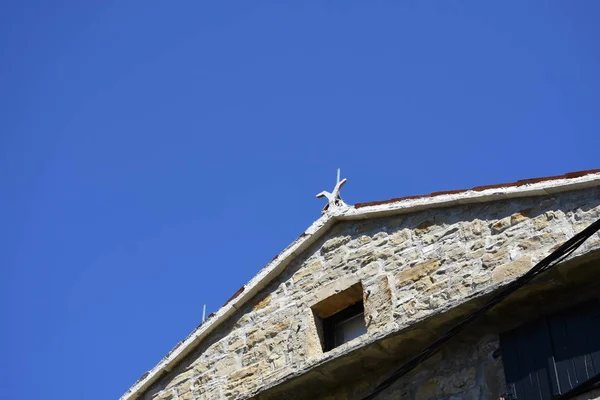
<point>557,256</point>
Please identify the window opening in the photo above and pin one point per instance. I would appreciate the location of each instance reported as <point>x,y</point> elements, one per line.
<point>344,326</point>
<point>340,318</point>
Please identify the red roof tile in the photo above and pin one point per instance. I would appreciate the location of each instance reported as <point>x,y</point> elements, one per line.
<point>522,182</point>
<point>236,294</point>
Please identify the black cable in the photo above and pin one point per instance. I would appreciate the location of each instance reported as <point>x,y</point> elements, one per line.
<point>552,259</point>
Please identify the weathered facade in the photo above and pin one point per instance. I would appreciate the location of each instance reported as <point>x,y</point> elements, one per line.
<point>419,265</point>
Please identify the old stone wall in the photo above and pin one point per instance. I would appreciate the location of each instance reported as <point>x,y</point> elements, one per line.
<point>411,267</point>
<point>470,366</point>
<point>468,370</point>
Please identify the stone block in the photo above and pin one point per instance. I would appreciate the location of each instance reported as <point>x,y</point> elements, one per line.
<point>236,341</point>
<point>380,239</point>
<point>416,272</point>
<point>265,331</point>
<point>166,395</point>
<point>263,303</point>
<point>424,227</point>
<point>519,217</point>
<point>362,254</point>
<point>474,230</point>
<point>500,225</point>
<point>495,258</point>
<point>400,239</point>
<point>427,391</point>
<point>340,293</point>
<point>255,354</point>
<point>456,382</point>
<point>334,243</point>
<point>361,241</point>
<point>379,304</point>
<point>511,270</point>
<point>307,270</point>
<point>244,378</point>
<point>180,378</point>
<point>225,366</point>
<point>336,261</point>
<point>541,222</point>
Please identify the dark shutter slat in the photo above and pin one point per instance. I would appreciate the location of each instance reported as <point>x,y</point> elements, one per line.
<point>576,340</point>
<point>527,366</point>
<point>589,366</point>
<point>596,361</point>
<point>593,338</point>
<point>553,372</point>
<point>512,366</point>
<point>539,349</point>
<point>525,352</point>
<point>542,346</point>
<point>551,362</point>
<point>577,326</point>
<point>562,353</point>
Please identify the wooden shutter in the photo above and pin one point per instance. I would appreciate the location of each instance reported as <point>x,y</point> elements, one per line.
<point>552,355</point>
<point>525,353</point>
<point>576,346</point>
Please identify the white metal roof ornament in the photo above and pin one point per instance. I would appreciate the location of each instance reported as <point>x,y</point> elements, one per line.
<point>334,199</point>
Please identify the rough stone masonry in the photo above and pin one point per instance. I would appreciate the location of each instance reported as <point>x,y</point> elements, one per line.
<point>413,268</point>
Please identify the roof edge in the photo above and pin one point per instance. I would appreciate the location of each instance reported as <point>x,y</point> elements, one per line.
<point>525,188</point>
<point>522,182</point>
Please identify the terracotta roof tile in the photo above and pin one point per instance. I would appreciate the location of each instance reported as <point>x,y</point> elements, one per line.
<point>577,174</point>
<point>530,181</point>
<point>522,182</point>
<point>447,192</point>
<point>395,199</point>
<point>496,186</point>
<point>236,294</point>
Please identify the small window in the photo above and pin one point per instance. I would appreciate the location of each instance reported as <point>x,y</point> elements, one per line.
<point>344,326</point>
<point>340,317</point>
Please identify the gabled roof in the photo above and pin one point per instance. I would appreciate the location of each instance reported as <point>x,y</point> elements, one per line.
<point>479,194</point>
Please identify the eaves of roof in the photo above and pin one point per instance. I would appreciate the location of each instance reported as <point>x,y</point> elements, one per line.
<point>479,194</point>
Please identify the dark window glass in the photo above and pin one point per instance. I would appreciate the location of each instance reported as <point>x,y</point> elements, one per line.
<point>344,326</point>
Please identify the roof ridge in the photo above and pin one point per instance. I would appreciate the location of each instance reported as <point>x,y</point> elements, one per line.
<point>522,182</point>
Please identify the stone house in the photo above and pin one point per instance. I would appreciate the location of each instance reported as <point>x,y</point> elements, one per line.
<point>368,288</point>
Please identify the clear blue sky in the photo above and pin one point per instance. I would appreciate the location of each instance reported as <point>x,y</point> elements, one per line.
<point>154,155</point>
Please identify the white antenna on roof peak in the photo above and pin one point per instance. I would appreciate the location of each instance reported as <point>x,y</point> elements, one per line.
<point>334,199</point>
